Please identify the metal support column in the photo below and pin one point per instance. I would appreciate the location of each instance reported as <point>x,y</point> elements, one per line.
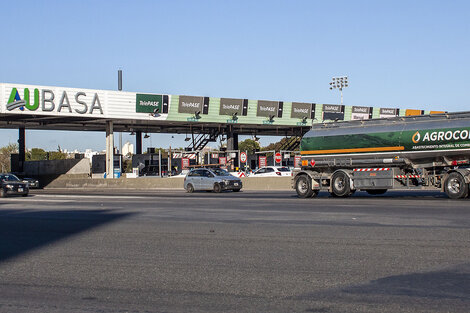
<point>109,150</point>
<point>232,140</point>
<point>138,142</point>
<point>21,149</point>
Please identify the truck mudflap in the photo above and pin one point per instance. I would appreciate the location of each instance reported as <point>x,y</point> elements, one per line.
<point>314,178</point>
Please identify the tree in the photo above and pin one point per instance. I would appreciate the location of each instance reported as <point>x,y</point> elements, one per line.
<point>5,154</point>
<point>276,146</point>
<point>248,145</point>
<point>56,155</point>
<point>36,154</point>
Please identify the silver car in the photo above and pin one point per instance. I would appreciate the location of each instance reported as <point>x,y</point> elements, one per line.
<point>214,179</point>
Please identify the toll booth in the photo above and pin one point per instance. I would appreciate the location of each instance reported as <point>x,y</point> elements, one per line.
<point>182,160</point>
<point>228,159</point>
<point>150,164</point>
<point>98,165</point>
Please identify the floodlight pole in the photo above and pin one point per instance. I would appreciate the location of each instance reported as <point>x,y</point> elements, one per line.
<point>339,83</point>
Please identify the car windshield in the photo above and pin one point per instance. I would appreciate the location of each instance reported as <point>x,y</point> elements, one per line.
<point>9,177</point>
<point>220,172</point>
<point>283,169</point>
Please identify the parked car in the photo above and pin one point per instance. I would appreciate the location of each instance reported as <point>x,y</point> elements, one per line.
<point>12,185</point>
<point>33,183</point>
<point>276,171</point>
<point>215,179</point>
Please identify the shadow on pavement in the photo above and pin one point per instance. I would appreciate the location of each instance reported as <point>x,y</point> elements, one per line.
<point>417,292</point>
<point>452,283</point>
<point>25,230</point>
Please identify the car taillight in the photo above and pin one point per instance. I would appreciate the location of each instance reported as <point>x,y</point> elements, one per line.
<point>278,173</point>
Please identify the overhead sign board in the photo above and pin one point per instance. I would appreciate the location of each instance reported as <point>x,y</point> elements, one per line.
<point>301,110</point>
<point>57,101</point>
<point>387,112</point>
<point>361,113</point>
<point>190,104</point>
<point>333,112</point>
<point>267,108</point>
<point>148,103</point>
<point>230,106</point>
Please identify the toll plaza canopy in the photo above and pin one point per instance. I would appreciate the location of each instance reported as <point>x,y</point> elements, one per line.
<point>63,108</point>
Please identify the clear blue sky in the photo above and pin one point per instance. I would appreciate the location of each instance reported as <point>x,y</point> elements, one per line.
<point>405,54</point>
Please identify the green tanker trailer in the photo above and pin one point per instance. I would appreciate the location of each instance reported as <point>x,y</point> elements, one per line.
<point>426,152</point>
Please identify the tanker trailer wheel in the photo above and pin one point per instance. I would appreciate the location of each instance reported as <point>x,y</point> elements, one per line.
<point>303,187</point>
<point>455,186</point>
<point>340,185</point>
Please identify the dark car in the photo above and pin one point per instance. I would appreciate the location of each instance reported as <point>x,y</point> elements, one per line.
<point>12,185</point>
<point>32,182</point>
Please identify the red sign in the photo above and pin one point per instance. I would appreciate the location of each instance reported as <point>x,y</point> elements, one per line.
<point>242,157</point>
<point>278,158</point>
<point>262,161</point>
<point>222,160</point>
<point>312,162</point>
<point>297,161</point>
<point>184,162</point>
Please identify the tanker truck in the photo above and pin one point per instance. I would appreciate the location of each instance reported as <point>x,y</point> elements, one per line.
<point>427,152</point>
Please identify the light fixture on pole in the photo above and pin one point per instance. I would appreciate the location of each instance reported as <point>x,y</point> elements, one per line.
<point>339,83</point>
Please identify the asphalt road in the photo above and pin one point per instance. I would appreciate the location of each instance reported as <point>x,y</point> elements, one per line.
<point>169,251</point>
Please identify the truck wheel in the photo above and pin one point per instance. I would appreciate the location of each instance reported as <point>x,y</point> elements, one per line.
<point>303,187</point>
<point>455,186</point>
<point>340,184</point>
<point>376,191</point>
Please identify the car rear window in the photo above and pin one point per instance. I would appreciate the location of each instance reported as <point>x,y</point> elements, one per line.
<point>283,169</point>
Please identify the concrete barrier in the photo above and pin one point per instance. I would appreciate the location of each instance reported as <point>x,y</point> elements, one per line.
<point>55,167</point>
<point>144,183</point>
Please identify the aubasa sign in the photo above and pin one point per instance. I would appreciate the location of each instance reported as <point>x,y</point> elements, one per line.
<point>47,101</point>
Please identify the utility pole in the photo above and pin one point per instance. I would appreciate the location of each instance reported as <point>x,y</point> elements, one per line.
<point>120,89</point>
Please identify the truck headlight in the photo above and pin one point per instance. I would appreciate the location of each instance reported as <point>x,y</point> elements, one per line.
<point>9,186</point>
